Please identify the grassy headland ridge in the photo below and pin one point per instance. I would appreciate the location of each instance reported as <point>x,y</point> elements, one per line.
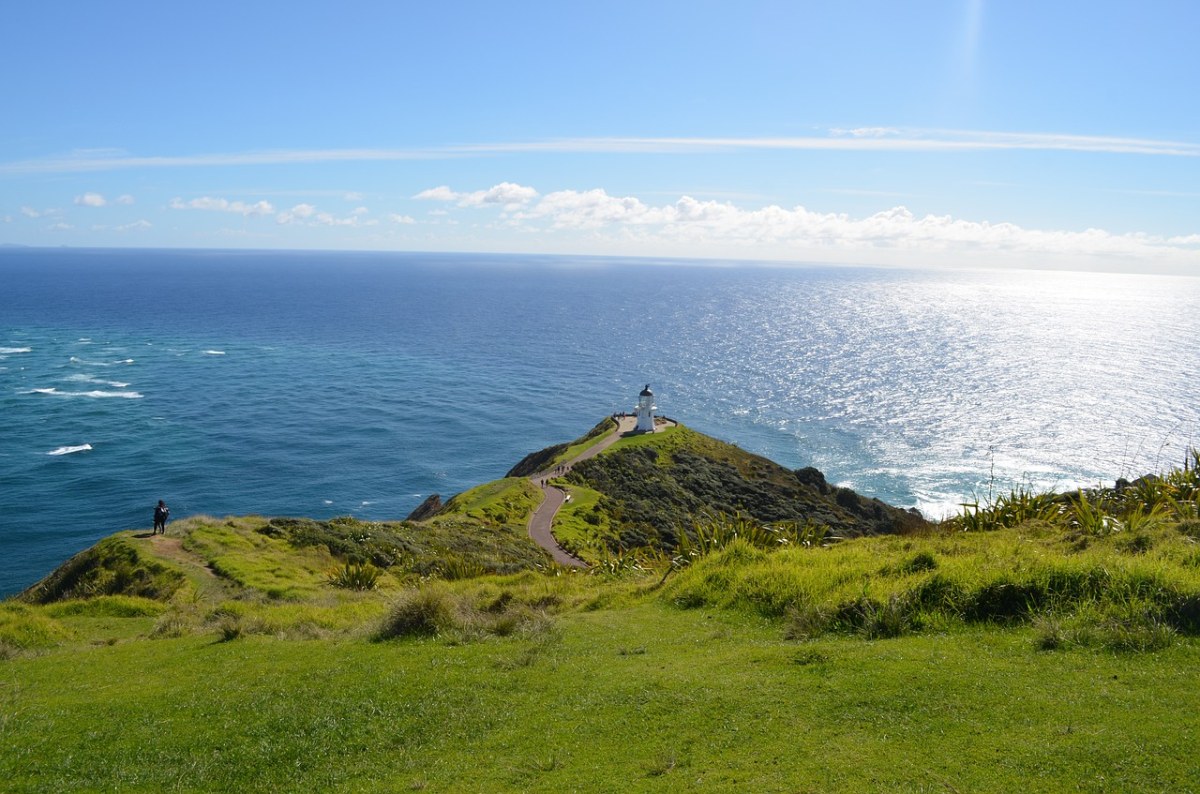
<point>742,627</point>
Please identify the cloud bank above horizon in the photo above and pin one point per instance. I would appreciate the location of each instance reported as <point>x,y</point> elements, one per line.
<point>797,232</point>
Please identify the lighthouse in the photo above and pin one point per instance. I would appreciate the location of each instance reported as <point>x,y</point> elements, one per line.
<point>645,411</point>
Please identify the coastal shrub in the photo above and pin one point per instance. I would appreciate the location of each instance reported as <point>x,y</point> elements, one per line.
<point>807,621</point>
<point>435,610</point>
<point>1089,516</point>
<point>921,561</point>
<point>1190,527</point>
<point>887,619</point>
<point>423,611</point>
<point>229,628</point>
<point>174,624</point>
<point>353,576</point>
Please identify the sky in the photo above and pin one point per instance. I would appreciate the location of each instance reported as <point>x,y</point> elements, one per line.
<point>960,133</point>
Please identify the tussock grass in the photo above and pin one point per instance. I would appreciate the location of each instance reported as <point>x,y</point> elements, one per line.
<point>888,586</point>
<point>459,616</point>
<point>23,627</point>
<point>107,606</point>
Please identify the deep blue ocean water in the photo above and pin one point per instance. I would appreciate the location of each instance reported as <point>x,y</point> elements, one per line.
<point>325,384</point>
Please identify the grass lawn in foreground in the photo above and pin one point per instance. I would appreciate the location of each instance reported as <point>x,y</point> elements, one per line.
<point>645,697</point>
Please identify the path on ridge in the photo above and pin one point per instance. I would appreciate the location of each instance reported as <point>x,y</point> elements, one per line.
<point>542,520</point>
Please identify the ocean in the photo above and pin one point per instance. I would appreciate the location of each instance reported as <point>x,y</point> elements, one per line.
<point>325,384</point>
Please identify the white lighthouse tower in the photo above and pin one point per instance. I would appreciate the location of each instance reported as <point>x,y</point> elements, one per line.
<point>645,411</point>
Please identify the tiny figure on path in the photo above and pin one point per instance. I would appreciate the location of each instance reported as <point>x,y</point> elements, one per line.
<point>161,514</point>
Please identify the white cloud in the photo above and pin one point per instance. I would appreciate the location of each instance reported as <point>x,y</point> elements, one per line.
<point>30,212</point>
<point>134,226</point>
<point>296,214</point>
<point>509,195</point>
<point>309,215</point>
<point>60,227</point>
<point>692,225</point>
<point>125,199</point>
<point>866,138</point>
<point>352,195</point>
<point>223,205</point>
<point>91,200</point>
<point>439,193</point>
<point>866,132</point>
<point>401,219</point>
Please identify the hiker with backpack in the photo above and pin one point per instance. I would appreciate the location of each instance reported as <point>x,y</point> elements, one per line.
<point>161,513</point>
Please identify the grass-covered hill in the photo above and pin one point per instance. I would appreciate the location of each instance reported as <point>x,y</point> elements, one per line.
<point>649,490</point>
<point>1041,642</point>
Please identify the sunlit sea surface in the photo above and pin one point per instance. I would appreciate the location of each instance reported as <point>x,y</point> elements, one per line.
<point>324,384</point>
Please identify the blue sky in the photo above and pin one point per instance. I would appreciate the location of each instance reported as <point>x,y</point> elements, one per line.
<point>965,133</point>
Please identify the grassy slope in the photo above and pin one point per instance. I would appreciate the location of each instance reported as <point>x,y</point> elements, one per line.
<point>628,686</point>
<point>644,697</point>
<point>745,670</point>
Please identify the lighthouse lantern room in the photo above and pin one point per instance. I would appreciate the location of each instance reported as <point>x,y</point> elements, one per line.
<point>645,411</point>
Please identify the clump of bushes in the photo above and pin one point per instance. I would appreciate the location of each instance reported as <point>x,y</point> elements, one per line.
<point>1131,626</point>
<point>435,610</point>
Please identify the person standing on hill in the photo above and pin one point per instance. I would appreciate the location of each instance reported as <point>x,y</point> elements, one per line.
<point>161,514</point>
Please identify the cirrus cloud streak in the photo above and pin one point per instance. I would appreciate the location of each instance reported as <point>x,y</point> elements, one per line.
<point>876,139</point>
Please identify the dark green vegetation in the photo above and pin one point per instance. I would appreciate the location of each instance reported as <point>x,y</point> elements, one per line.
<point>544,459</point>
<point>1038,642</point>
<point>651,490</point>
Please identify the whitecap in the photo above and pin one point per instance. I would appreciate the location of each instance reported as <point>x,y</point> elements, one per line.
<point>128,395</point>
<point>83,378</point>
<point>69,450</point>
<point>328,501</point>
<point>77,360</point>
<point>364,504</point>
<point>12,351</point>
<point>214,352</point>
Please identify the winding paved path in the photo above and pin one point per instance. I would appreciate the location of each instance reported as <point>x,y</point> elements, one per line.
<point>542,520</point>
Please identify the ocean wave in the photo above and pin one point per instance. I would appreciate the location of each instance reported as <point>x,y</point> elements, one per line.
<point>77,360</point>
<point>69,450</point>
<point>214,352</point>
<point>84,378</point>
<point>128,395</point>
<point>12,351</point>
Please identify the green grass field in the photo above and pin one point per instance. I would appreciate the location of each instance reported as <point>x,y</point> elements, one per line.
<point>644,697</point>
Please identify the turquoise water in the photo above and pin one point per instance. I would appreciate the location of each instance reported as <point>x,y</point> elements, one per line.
<point>327,384</point>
